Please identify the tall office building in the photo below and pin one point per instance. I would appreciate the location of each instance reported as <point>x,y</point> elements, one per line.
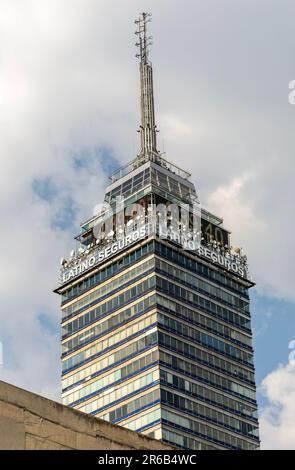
<point>156,328</point>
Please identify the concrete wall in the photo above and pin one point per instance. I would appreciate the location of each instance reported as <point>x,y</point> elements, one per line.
<point>29,421</point>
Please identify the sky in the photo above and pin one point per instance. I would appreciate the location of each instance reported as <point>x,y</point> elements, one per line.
<point>69,100</point>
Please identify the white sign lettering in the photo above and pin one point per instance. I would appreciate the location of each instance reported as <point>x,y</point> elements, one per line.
<point>98,257</point>
<point>101,255</point>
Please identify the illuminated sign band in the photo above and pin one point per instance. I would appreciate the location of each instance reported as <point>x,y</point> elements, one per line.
<point>98,257</point>
<point>223,261</point>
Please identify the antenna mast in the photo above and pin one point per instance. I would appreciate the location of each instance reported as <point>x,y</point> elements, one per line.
<point>148,128</point>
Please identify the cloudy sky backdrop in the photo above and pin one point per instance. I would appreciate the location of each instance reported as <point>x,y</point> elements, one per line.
<point>69,113</point>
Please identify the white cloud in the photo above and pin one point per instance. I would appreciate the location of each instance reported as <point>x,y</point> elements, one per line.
<point>277,419</point>
<point>258,233</point>
<point>174,125</point>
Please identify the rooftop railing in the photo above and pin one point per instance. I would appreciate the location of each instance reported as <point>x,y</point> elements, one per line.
<point>138,161</point>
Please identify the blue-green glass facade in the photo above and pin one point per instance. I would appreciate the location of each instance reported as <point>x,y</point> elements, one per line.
<point>157,338</point>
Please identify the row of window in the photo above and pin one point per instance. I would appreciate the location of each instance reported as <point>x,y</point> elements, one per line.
<point>199,319</point>
<point>210,396</point>
<point>144,421</point>
<point>110,398</point>
<point>107,272</point>
<point>172,185</point>
<point>203,357</point>
<point>203,375</point>
<point>109,324</point>
<point>90,335</point>
<point>196,300</point>
<point>132,407</point>
<point>205,287</point>
<point>193,334</point>
<point>208,414</point>
<point>130,186</point>
<point>107,288</point>
<point>105,344</point>
<point>104,382</point>
<point>180,440</point>
<point>205,431</point>
<point>110,360</point>
<point>199,268</point>
<point>108,306</point>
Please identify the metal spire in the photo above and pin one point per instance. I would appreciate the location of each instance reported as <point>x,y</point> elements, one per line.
<point>148,127</point>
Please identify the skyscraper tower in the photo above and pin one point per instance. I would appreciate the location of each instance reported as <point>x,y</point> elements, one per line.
<point>156,327</point>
